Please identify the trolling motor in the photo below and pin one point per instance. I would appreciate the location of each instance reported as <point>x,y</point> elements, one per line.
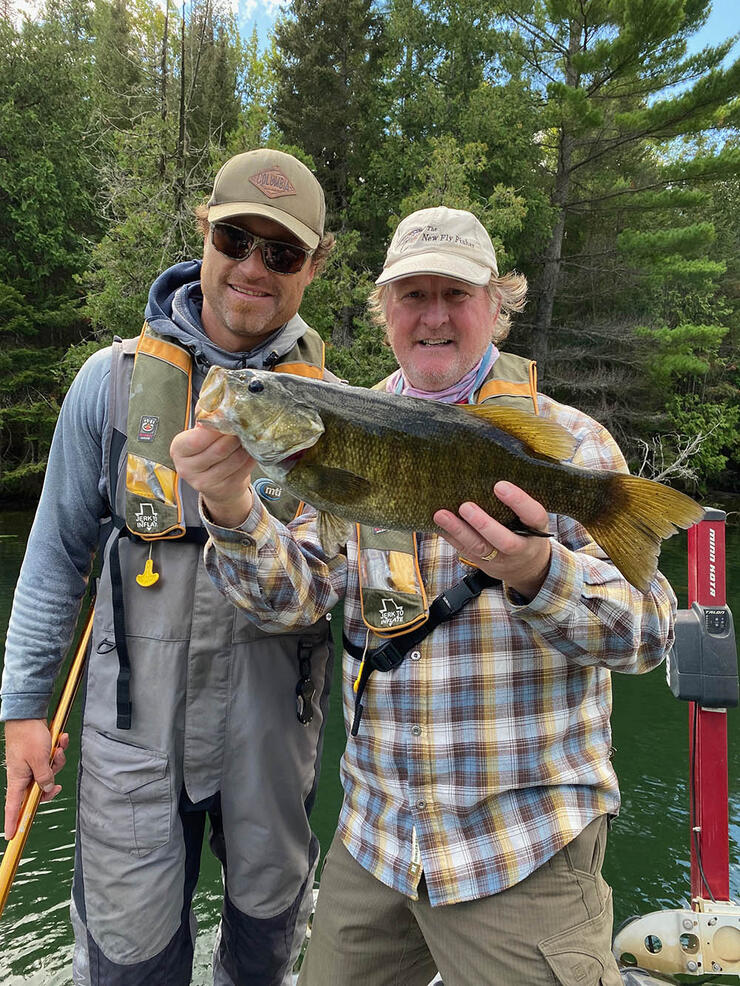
<point>701,669</point>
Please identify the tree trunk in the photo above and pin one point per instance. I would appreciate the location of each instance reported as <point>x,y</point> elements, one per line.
<point>163,87</point>
<point>548,280</point>
<point>180,179</point>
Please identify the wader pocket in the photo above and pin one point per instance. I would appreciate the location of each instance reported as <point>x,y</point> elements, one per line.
<point>581,956</point>
<point>125,794</point>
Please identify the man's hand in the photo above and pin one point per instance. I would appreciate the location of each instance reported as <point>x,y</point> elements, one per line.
<point>27,753</point>
<point>219,468</point>
<point>521,562</point>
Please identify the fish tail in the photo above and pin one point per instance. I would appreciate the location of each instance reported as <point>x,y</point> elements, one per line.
<point>639,514</point>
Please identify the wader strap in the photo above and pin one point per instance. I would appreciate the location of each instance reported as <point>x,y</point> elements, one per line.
<point>392,653</point>
<point>123,683</point>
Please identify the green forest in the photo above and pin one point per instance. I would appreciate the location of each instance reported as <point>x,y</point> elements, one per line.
<point>593,141</point>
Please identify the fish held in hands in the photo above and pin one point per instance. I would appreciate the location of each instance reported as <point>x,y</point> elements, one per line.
<point>374,458</point>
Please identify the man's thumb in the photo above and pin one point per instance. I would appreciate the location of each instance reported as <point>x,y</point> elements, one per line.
<point>43,775</point>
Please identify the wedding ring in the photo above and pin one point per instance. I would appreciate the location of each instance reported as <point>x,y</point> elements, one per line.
<point>490,556</point>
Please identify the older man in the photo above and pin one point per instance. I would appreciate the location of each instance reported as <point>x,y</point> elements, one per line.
<point>479,783</point>
<point>190,711</point>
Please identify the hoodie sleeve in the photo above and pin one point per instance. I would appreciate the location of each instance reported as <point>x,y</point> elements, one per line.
<point>61,546</point>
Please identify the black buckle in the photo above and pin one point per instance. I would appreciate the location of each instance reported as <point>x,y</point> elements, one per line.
<point>304,693</point>
<point>456,597</point>
<point>387,657</point>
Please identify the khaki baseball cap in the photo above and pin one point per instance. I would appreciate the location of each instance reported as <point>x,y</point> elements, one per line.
<point>274,185</point>
<point>448,242</point>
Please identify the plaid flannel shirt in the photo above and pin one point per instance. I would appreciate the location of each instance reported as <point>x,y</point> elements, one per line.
<point>488,749</point>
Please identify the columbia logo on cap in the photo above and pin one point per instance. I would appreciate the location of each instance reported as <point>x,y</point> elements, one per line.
<point>273,183</point>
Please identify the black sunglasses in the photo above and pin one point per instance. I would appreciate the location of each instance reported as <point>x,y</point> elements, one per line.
<point>238,244</point>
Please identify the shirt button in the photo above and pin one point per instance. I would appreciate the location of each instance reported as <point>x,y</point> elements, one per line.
<point>421,803</point>
<point>415,655</point>
<point>416,730</point>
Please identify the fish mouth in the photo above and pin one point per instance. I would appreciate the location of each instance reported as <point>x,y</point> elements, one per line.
<point>285,459</point>
<point>211,396</point>
<point>280,457</point>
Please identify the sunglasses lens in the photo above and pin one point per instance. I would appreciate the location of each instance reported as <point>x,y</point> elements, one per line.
<point>233,242</point>
<point>283,258</point>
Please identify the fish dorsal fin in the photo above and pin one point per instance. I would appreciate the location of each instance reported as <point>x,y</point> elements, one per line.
<point>543,438</point>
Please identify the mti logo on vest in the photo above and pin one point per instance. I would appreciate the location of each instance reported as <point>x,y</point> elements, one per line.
<point>268,490</point>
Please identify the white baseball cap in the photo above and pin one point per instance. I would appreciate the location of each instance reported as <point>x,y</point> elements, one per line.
<point>448,242</point>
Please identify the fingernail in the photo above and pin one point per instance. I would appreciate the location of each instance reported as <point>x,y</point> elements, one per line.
<point>47,787</point>
<point>503,487</point>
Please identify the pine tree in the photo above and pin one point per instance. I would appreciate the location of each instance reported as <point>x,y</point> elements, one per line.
<point>164,164</point>
<point>617,80</point>
<point>327,77</point>
<point>48,214</point>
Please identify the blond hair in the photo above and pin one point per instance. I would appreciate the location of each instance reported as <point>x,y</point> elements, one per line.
<point>507,295</point>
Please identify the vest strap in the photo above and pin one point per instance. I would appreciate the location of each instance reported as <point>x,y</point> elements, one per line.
<point>123,682</point>
<point>392,653</point>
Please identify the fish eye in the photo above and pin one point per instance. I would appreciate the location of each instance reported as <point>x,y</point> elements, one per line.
<point>255,386</point>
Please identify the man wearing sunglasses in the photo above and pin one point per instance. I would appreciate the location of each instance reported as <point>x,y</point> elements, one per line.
<point>192,714</point>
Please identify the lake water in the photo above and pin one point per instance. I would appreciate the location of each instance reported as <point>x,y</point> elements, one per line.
<point>648,856</point>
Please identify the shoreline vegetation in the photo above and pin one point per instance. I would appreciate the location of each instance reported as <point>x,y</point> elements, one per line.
<point>594,143</point>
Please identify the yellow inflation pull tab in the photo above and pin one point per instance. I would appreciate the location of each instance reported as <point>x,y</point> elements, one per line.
<point>148,576</point>
<point>362,663</point>
<point>359,673</point>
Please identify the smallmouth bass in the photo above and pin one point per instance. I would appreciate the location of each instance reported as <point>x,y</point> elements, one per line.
<point>388,461</point>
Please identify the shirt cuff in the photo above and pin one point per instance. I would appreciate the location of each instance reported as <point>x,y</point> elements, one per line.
<point>256,530</point>
<point>561,591</point>
<point>21,705</point>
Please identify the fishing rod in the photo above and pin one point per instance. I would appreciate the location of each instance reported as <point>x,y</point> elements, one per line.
<point>14,849</point>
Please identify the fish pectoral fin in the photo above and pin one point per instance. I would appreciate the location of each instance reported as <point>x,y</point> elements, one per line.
<point>336,485</point>
<point>543,438</point>
<point>333,531</point>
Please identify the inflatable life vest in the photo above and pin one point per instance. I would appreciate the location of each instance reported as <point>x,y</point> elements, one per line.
<point>160,406</point>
